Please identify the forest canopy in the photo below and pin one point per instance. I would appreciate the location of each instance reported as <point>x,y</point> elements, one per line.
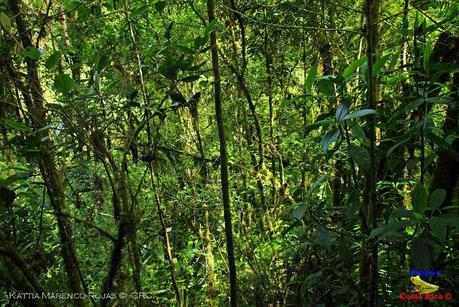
<point>229,153</point>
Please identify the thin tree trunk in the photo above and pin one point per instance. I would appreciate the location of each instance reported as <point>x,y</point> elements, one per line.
<point>212,286</point>
<point>46,163</point>
<point>223,157</point>
<point>167,246</point>
<point>369,260</point>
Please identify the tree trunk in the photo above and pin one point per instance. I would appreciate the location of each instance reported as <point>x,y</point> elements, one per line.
<point>46,163</point>
<point>223,157</point>
<point>369,256</point>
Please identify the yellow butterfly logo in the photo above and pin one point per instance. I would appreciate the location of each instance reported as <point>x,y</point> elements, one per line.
<point>422,286</point>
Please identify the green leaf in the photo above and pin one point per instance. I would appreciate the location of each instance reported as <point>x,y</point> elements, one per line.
<point>201,41</point>
<point>438,228</point>
<point>13,178</point>
<point>439,224</point>
<point>442,144</point>
<point>329,138</point>
<point>342,109</point>
<point>32,53</point>
<point>317,183</point>
<point>358,133</point>
<point>63,83</point>
<point>52,60</point>
<point>168,69</point>
<point>378,66</point>
<point>354,65</point>
<point>359,113</point>
<point>390,227</point>
<point>325,85</point>
<point>448,219</point>
<point>214,25</point>
<point>393,148</point>
<point>178,97</point>
<point>299,211</point>
<point>319,123</point>
<point>323,236</point>
<point>103,61</point>
<point>401,212</point>
<point>444,67</point>
<point>394,60</point>
<point>419,198</point>
<point>16,126</point>
<point>312,73</point>
<point>414,104</point>
<point>437,197</point>
<point>167,32</point>
<point>361,156</point>
<point>426,56</point>
<point>7,196</point>
<point>191,78</point>
<point>5,22</point>
<point>160,6</point>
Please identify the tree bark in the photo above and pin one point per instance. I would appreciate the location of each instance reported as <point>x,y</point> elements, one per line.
<point>223,157</point>
<point>369,256</point>
<point>46,163</point>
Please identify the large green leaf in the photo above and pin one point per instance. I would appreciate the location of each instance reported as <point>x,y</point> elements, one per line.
<point>359,134</point>
<point>13,178</point>
<point>438,228</point>
<point>16,126</point>
<point>319,123</point>
<point>317,183</point>
<point>359,113</point>
<point>299,211</point>
<point>437,197</point>
<point>213,26</point>
<point>361,156</point>
<point>378,66</point>
<point>52,60</point>
<point>312,73</point>
<point>439,225</point>
<point>354,65</point>
<point>63,83</point>
<point>5,22</point>
<point>419,198</point>
<point>442,144</point>
<point>342,109</point>
<point>325,85</point>
<point>323,236</point>
<point>32,53</point>
<point>394,147</point>
<point>329,137</point>
<point>102,62</point>
<point>191,78</point>
<point>426,56</point>
<point>390,227</point>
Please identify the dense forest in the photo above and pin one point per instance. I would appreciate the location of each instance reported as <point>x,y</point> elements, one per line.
<point>229,153</point>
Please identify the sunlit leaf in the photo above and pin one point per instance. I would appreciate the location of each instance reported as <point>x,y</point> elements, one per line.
<point>359,113</point>
<point>329,137</point>
<point>5,22</point>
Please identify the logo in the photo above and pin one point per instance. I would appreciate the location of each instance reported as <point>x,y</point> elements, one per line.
<point>424,290</point>
<point>423,273</point>
<point>422,286</point>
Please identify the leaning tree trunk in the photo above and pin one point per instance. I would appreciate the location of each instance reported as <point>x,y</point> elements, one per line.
<point>48,169</point>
